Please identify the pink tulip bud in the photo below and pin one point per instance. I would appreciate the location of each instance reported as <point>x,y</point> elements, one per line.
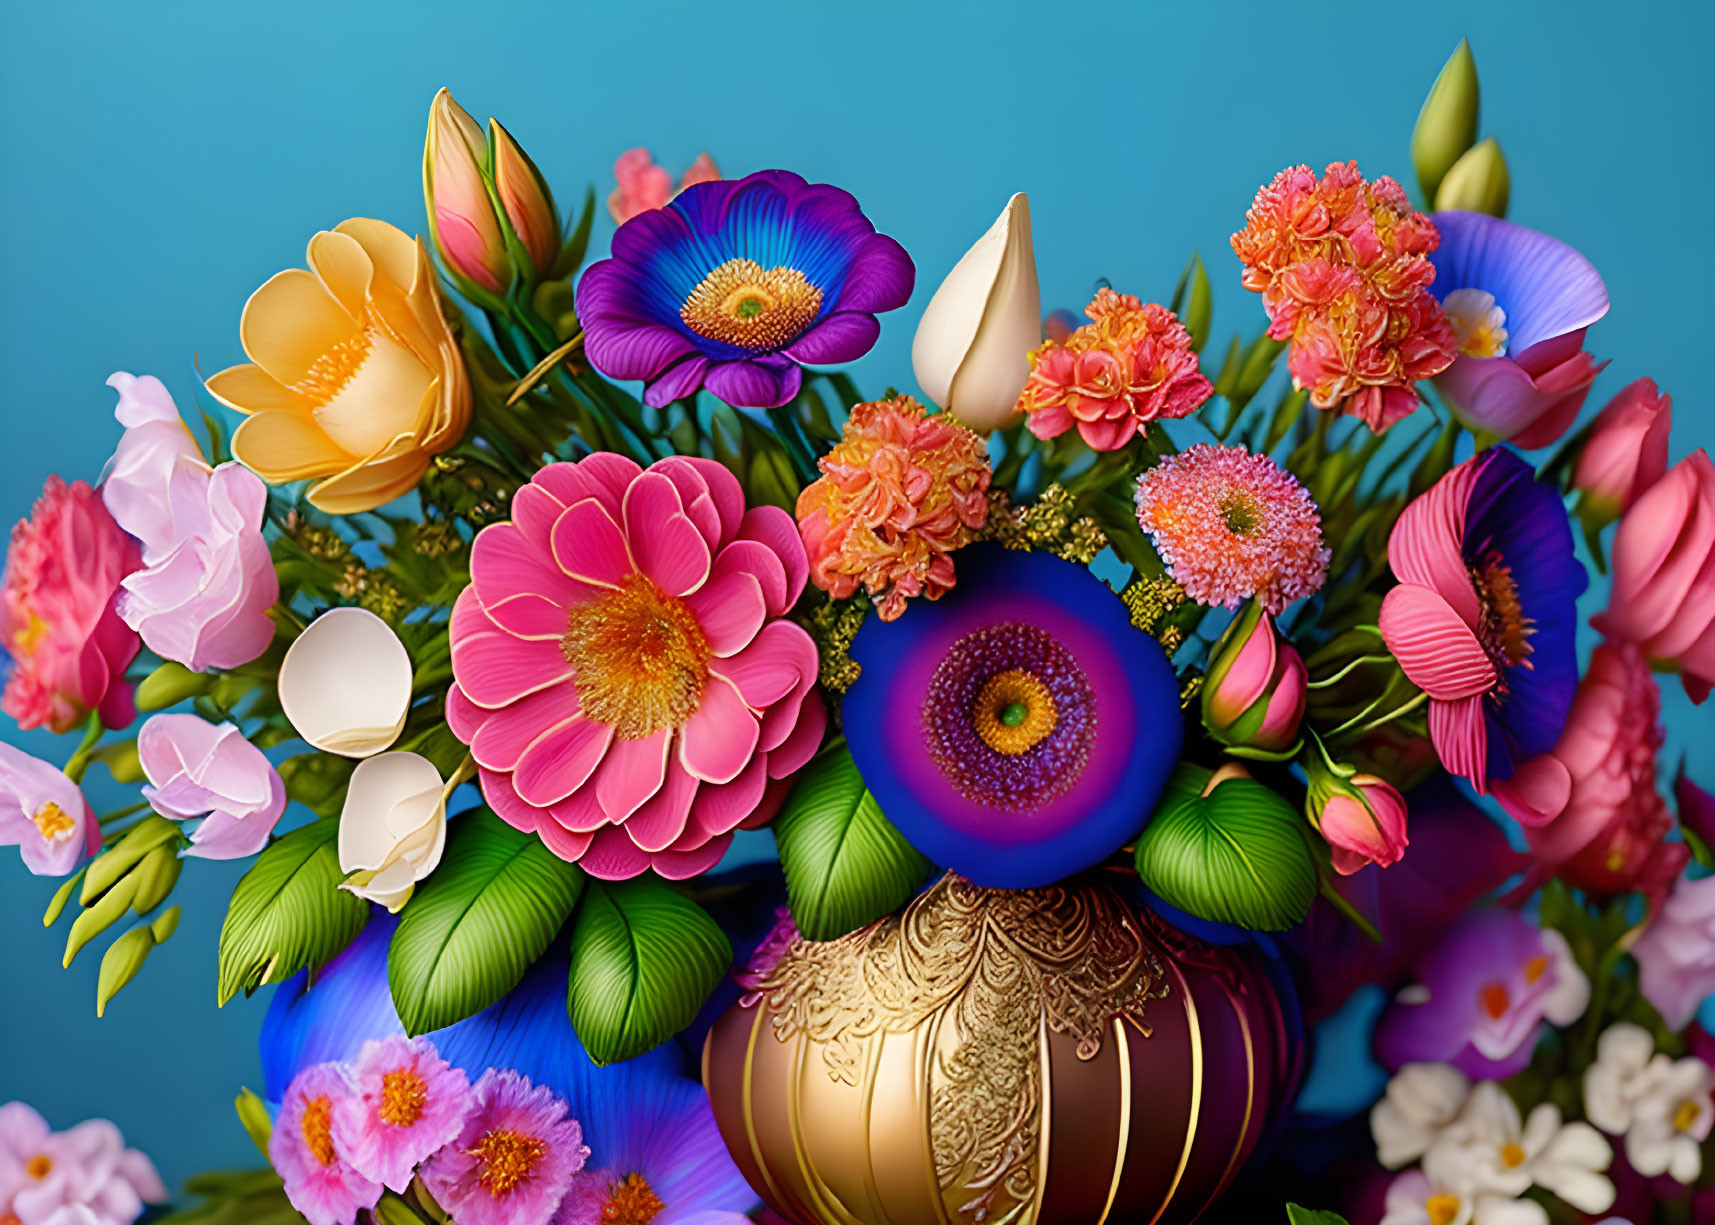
<point>1255,691</point>
<point>525,199</point>
<point>1362,817</point>
<point>1625,453</point>
<point>461,214</point>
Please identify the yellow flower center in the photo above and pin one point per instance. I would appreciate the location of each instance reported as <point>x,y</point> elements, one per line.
<point>639,660</point>
<point>631,1202</point>
<point>743,304</point>
<point>1442,1209</point>
<point>39,1166</point>
<point>1014,712</point>
<point>28,638</point>
<point>1512,1156</point>
<point>404,1093</point>
<point>1535,968</point>
<point>506,1158</point>
<point>317,1129</point>
<point>1478,324</point>
<point>54,824</point>
<point>1685,1118</point>
<point>367,389</point>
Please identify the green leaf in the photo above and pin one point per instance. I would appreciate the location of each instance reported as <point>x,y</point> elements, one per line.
<point>474,926</point>
<point>644,959</point>
<point>288,911</point>
<point>318,781</point>
<point>1312,1216</point>
<point>124,957</point>
<point>1233,856</point>
<point>845,864</point>
<point>1201,306</point>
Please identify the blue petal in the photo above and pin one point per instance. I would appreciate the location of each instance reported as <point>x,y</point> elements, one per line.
<point>1546,288</point>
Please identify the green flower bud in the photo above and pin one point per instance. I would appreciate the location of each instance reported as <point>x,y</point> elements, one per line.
<point>119,965</point>
<point>1447,124</point>
<point>1478,181</point>
<point>169,685</point>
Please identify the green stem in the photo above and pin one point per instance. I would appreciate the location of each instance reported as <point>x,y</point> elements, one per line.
<point>81,757</point>
<point>1359,662</point>
<point>1371,725</point>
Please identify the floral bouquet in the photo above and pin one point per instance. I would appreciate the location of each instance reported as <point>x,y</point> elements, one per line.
<point>1117,714</point>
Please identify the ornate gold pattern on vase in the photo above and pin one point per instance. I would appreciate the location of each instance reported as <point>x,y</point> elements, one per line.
<point>995,1057</point>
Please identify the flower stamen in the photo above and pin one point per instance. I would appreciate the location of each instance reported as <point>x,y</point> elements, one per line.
<point>507,1158</point>
<point>639,660</point>
<point>745,305</point>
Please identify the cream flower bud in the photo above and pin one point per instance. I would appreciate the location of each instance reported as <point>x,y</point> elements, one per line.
<point>971,353</point>
<point>393,827</point>
<point>345,684</point>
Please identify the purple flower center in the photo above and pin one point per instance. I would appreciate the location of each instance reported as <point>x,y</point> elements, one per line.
<point>1009,717</point>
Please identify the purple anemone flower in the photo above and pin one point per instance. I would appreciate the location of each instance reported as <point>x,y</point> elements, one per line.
<point>1481,995</point>
<point>734,284</point>
<point>1019,729</point>
<point>1519,303</point>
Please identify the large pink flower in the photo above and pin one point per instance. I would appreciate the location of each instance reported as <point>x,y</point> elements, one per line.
<point>69,648</point>
<point>84,1174</point>
<point>625,679</point>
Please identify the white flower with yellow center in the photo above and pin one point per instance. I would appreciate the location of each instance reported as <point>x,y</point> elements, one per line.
<point>1422,1101</point>
<point>1501,1153</point>
<point>1477,322</point>
<point>1442,1193</point>
<point>1662,1106</point>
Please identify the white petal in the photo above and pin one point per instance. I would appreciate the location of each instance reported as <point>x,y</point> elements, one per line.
<point>1570,995</point>
<point>1687,1160</point>
<point>346,683</point>
<point>391,887</point>
<point>1495,1210</point>
<point>972,345</point>
<point>392,799</point>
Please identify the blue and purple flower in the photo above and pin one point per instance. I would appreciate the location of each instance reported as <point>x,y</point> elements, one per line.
<point>734,284</point>
<point>1484,619</point>
<point>1018,730</point>
<point>1519,303</point>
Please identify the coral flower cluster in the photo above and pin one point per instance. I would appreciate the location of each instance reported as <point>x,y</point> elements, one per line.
<point>1233,526</point>
<point>1131,364</point>
<point>897,495</point>
<point>1343,269</point>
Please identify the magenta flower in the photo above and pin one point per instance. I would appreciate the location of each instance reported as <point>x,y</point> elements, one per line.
<point>197,769</point>
<point>85,1174</point>
<point>409,1103</point>
<point>320,1180</point>
<point>1519,303</point>
<point>1481,995</point>
<point>734,283</point>
<point>626,679</point>
<point>514,1159</point>
<point>208,581</point>
<point>43,814</point>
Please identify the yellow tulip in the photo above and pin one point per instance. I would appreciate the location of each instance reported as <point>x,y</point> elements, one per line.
<point>355,379</point>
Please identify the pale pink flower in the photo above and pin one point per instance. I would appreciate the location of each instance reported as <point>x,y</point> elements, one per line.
<point>84,1175</point>
<point>1676,955</point>
<point>1364,823</point>
<point>409,1102</point>
<point>514,1159</point>
<point>642,185</point>
<point>625,675</point>
<point>198,769</point>
<point>43,814</point>
<point>320,1180</point>
<point>208,581</point>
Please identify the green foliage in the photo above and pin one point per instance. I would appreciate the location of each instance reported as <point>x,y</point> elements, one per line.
<point>1312,1216</point>
<point>845,865</point>
<point>318,781</point>
<point>1233,856</point>
<point>288,912</point>
<point>475,925</point>
<point>236,1197</point>
<point>644,958</point>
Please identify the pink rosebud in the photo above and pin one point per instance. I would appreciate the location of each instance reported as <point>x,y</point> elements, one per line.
<point>43,814</point>
<point>1625,453</point>
<point>1361,816</point>
<point>1676,955</point>
<point>1255,691</point>
<point>197,769</point>
<point>1663,593</point>
<point>69,648</point>
<point>525,199</point>
<point>461,215</point>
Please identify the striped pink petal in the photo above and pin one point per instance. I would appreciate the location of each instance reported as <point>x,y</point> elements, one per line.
<point>1434,646</point>
<point>1461,739</point>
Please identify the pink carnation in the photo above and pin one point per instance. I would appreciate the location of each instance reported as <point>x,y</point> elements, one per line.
<point>320,1180</point>
<point>69,648</point>
<point>408,1103</point>
<point>514,1159</point>
<point>625,677</point>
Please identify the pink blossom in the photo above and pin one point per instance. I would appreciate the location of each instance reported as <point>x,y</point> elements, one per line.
<point>197,769</point>
<point>625,675</point>
<point>409,1103</point>
<point>208,581</point>
<point>1663,594</point>
<point>1626,451</point>
<point>43,814</point>
<point>1364,824</point>
<point>1676,955</point>
<point>69,648</point>
<point>642,185</point>
<point>83,1175</point>
<point>514,1159</point>
<point>320,1180</point>
<point>1254,693</point>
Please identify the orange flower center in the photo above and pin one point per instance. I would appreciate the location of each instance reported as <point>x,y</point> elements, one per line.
<point>54,824</point>
<point>631,1202</point>
<point>1013,712</point>
<point>39,1166</point>
<point>506,1159</point>
<point>1442,1209</point>
<point>743,304</point>
<point>1685,1118</point>
<point>1512,1156</point>
<point>404,1093</point>
<point>1535,968</point>
<point>366,389</point>
<point>1495,1000</point>
<point>1504,630</point>
<point>317,1129</point>
<point>639,659</point>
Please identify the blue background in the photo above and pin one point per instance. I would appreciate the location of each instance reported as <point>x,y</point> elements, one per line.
<point>162,160</point>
